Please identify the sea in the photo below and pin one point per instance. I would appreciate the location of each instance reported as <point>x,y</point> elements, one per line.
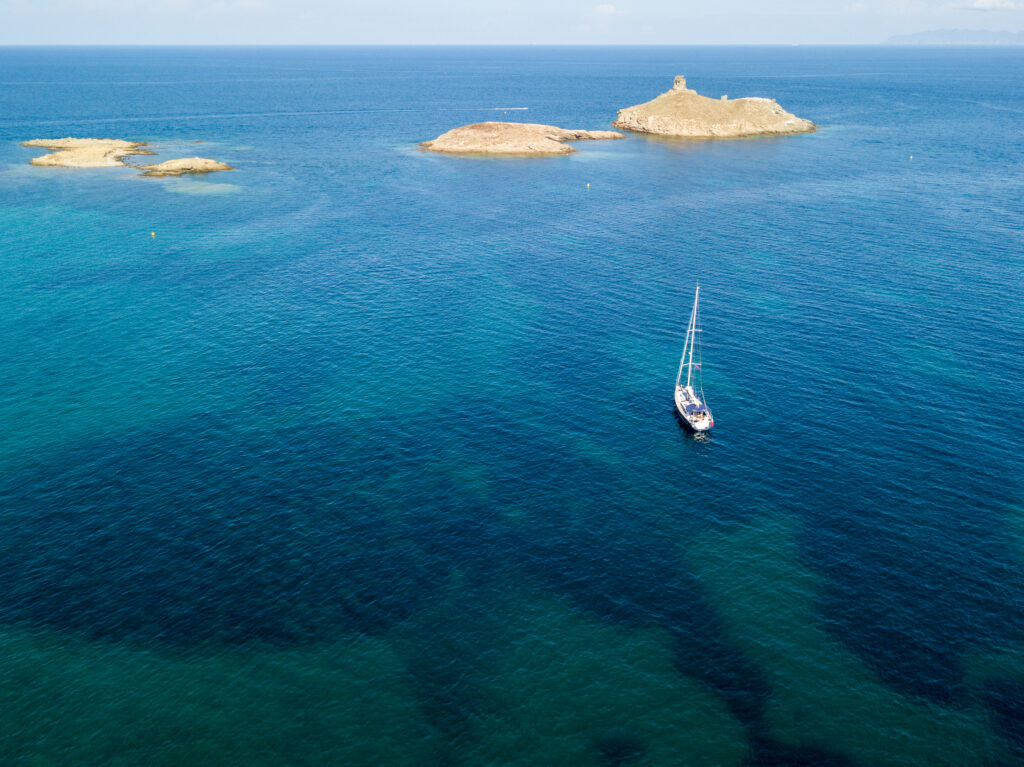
<point>362,455</point>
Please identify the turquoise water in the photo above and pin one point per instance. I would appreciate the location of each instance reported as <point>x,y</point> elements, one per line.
<point>368,456</point>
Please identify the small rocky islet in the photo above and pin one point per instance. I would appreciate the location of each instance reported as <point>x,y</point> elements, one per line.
<point>184,166</point>
<point>678,113</point>
<point>684,113</point>
<point>108,153</point>
<point>504,138</point>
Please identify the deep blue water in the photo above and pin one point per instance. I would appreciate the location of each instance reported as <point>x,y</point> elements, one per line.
<point>368,456</point>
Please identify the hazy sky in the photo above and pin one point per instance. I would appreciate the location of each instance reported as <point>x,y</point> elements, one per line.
<point>492,21</point>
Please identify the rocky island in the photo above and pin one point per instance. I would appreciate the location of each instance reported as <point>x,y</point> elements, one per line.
<point>684,113</point>
<point>85,152</point>
<point>183,166</point>
<point>501,138</point>
<point>107,153</point>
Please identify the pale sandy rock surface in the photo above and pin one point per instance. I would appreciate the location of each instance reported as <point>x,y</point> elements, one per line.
<point>184,165</point>
<point>106,153</point>
<point>683,112</point>
<point>512,138</point>
<point>85,152</point>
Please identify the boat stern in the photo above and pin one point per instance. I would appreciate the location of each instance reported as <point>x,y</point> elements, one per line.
<point>694,413</point>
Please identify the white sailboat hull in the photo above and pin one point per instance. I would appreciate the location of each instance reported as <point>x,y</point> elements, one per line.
<point>694,413</point>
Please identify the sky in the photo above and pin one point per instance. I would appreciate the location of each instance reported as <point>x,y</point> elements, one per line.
<point>489,22</point>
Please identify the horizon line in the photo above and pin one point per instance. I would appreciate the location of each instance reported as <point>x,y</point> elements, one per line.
<point>883,44</point>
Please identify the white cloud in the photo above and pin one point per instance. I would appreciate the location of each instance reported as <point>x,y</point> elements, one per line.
<point>994,5</point>
<point>605,9</point>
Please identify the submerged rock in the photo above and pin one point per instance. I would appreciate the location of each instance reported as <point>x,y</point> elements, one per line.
<point>682,112</point>
<point>502,138</point>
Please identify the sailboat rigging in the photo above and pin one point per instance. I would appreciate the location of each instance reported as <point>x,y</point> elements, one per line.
<point>689,397</point>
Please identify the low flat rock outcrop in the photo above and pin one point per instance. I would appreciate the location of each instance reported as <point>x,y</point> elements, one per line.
<point>84,152</point>
<point>684,113</point>
<point>501,138</point>
<point>110,152</point>
<point>184,165</point>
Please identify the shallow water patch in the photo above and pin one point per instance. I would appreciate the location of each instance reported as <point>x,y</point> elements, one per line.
<point>71,702</point>
<point>566,689</point>
<point>202,188</point>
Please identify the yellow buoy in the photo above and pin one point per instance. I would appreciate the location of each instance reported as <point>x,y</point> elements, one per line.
<point>911,157</point>
<point>152,234</point>
<point>588,186</point>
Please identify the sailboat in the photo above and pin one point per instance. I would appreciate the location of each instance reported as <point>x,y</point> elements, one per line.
<point>690,396</point>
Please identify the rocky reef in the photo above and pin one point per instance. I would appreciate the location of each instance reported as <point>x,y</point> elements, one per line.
<point>85,152</point>
<point>183,166</point>
<point>502,138</point>
<point>108,153</point>
<point>682,112</point>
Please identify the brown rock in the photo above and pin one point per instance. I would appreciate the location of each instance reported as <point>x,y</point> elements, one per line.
<point>184,165</point>
<point>683,112</point>
<point>501,138</point>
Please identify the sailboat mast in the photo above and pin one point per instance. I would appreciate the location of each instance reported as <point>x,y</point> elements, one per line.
<point>691,333</point>
<point>687,343</point>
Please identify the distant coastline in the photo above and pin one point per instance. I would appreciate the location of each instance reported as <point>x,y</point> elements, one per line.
<point>978,37</point>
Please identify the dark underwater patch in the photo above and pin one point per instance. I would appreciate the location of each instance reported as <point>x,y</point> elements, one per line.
<point>446,653</point>
<point>635,577</point>
<point>911,604</point>
<point>766,752</point>
<point>619,749</point>
<point>1006,699</point>
<point>197,533</point>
